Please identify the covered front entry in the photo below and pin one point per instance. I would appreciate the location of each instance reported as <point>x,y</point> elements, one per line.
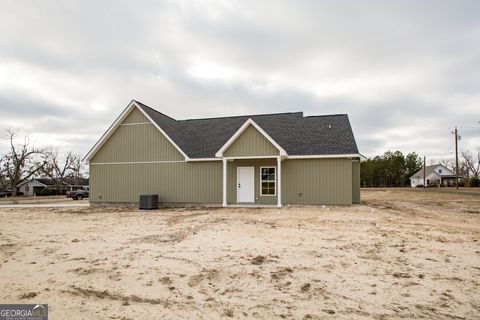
<point>245,184</point>
<point>250,146</point>
<point>252,181</point>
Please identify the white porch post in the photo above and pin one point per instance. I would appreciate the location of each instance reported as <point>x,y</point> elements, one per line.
<point>279,183</point>
<point>224,197</point>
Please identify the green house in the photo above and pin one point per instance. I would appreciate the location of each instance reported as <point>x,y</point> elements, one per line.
<point>255,160</point>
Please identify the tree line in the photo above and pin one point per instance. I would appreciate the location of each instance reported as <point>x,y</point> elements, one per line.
<point>393,169</point>
<point>24,161</point>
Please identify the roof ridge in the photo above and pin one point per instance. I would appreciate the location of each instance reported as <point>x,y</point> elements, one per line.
<point>246,115</point>
<point>163,114</point>
<point>242,116</point>
<point>327,115</point>
<point>202,137</point>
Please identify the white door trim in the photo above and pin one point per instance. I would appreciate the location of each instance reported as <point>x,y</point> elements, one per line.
<point>251,185</point>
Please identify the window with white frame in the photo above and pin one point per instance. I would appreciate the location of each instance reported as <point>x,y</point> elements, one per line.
<point>268,181</point>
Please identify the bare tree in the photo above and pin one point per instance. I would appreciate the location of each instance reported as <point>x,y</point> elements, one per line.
<point>471,163</point>
<point>77,166</point>
<point>22,161</point>
<point>448,163</point>
<point>59,168</point>
<point>3,178</point>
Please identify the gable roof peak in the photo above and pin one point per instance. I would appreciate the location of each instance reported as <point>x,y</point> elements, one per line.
<point>142,105</point>
<point>294,133</point>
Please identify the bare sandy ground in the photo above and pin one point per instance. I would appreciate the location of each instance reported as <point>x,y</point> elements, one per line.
<point>401,254</point>
<point>28,198</point>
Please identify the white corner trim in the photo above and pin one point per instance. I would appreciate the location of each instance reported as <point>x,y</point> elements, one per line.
<point>241,130</point>
<point>279,183</point>
<point>224,183</point>
<point>118,122</point>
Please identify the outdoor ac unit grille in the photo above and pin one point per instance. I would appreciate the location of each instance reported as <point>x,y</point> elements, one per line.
<point>148,201</point>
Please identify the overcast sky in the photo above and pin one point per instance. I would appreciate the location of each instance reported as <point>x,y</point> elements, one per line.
<point>406,72</point>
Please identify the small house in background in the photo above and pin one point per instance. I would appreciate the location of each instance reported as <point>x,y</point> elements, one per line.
<point>435,175</point>
<point>37,185</point>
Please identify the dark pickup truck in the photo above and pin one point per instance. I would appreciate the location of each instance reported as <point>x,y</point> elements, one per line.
<point>77,195</point>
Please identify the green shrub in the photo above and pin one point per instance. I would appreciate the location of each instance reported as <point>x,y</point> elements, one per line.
<point>474,182</point>
<point>419,186</point>
<point>47,192</point>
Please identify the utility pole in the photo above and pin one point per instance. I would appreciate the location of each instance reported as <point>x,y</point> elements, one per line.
<point>424,162</point>
<point>456,157</point>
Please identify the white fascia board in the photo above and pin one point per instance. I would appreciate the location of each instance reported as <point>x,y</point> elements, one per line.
<point>137,162</point>
<point>326,156</point>
<point>251,157</point>
<point>204,159</point>
<point>109,131</point>
<point>33,181</point>
<point>241,130</point>
<point>22,183</point>
<point>117,123</point>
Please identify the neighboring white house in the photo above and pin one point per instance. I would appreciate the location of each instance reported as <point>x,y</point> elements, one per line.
<point>36,185</point>
<point>436,174</point>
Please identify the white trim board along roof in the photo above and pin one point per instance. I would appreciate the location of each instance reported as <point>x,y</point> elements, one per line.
<point>118,122</point>
<point>294,135</point>
<point>239,132</point>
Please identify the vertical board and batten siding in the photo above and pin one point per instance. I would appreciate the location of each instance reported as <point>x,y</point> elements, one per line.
<point>141,141</point>
<point>232,179</point>
<point>356,181</point>
<point>251,143</point>
<point>317,181</point>
<point>114,178</point>
<point>135,116</point>
<point>174,182</point>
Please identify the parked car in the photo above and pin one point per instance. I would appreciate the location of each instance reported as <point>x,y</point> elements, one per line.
<point>78,194</point>
<point>4,194</point>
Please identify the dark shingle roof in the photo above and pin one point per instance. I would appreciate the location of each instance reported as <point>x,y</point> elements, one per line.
<point>296,134</point>
<point>48,181</point>
<point>76,181</point>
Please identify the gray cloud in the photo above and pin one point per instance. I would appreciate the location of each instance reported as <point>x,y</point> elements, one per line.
<point>406,72</point>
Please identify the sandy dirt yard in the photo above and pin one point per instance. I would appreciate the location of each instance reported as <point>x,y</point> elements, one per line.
<point>401,254</point>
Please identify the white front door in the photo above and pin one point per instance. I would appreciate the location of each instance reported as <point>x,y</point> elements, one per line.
<point>245,184</point>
